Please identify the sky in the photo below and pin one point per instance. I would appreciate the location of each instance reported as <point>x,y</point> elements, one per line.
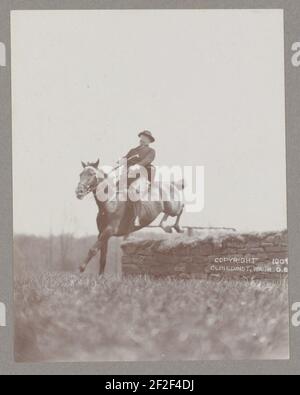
<point>208,84</point>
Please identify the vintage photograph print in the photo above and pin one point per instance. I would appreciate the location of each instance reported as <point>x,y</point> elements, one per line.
<point>149,169</point>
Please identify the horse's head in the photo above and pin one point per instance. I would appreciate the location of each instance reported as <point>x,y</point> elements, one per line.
<point>90,178</point>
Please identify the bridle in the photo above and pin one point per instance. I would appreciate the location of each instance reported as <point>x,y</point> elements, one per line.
<point>93,187</point>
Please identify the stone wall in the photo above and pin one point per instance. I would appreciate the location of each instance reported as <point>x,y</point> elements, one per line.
<point>209,256</point>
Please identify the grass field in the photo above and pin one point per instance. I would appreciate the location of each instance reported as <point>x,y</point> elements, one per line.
<point>67,317</point>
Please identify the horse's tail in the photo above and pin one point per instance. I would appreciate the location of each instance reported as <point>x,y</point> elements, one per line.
<point>180,185</point>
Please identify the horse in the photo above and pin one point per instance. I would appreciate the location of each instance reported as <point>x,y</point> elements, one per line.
<point>117,217</point>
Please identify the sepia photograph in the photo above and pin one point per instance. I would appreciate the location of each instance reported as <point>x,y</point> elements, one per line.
<point>149,185</point>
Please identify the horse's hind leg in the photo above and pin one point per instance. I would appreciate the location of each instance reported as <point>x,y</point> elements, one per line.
<point>167,229</point>
<point>177,226</point>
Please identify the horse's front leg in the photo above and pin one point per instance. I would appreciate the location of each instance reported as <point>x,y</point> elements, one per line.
<point>107,234</point>
<point>92,252</point>
<point>101,244</point>
<point>103,257</point>
<point>104,240</point>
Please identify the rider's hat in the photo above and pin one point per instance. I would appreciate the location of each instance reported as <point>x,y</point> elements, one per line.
<point>148,134</point>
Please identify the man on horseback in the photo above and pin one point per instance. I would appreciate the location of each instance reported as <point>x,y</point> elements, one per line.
<point>139,158</point>
<point>143,155</point>
<point>122,217</point>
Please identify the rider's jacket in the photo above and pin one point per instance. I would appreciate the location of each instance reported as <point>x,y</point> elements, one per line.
<point>141,155</point>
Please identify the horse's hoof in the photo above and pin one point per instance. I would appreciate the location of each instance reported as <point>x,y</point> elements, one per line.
<point>82,269</point>
<point>178,229</point>
<point>168,229</point>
